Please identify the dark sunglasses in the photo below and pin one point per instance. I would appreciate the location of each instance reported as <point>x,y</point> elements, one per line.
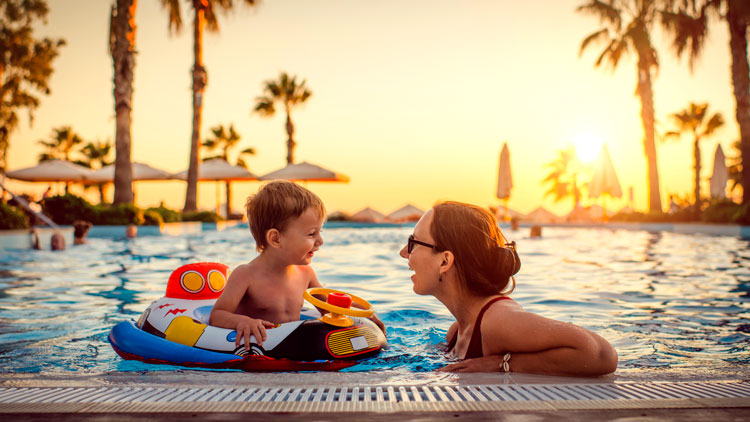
<point>412,241</point>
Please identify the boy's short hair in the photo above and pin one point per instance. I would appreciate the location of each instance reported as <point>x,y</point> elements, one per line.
<point>275,204</point>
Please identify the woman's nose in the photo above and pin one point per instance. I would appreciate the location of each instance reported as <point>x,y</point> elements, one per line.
<point>404,253</point>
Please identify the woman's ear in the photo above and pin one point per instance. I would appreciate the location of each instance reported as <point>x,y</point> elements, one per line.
<point>447,262</point>
<point>273,238</point>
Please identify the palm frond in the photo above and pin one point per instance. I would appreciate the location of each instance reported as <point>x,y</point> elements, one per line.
<point>175,16</point>
<point>606,12</point>
<point>265,106</point>
<point>596,37</point>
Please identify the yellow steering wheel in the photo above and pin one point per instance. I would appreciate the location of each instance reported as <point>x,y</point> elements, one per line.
<point>337,313</point>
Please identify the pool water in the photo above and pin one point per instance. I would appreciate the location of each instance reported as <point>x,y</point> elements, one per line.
<point>664,300</point>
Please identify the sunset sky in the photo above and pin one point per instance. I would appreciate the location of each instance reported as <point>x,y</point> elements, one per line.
<point>411,99</point>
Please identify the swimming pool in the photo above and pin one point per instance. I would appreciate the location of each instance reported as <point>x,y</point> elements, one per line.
<point>664,300</point>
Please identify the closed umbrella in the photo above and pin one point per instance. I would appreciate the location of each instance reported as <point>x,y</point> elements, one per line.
<point>604,181</point>
<point>141,171</point>
<point>218,170</point>
<point>720,175</point>
<point>504,178</point>
<point>305,172</point>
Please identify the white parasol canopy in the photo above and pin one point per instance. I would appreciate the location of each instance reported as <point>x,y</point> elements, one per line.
<point>52,171</point>
<point>218,169</point>
<point>720,175</point>
<point>541,215</point>
<point>406,213</point>
<point>305,172</point>
<point>604,180</point>
<point>368,215</point>
<point>504,176</point>
<point>141,171</point>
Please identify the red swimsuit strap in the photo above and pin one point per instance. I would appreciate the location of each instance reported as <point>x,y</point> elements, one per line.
<point>475,344</point>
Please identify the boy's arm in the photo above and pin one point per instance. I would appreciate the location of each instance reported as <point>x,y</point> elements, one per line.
<point>223,313</point>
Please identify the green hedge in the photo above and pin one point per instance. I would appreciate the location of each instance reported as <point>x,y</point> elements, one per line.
<point>65,209</point>
<point>12,218</point>
<point>203,216</point>
<point>118,215</point>
<point>167,215</point>
<point>152,218</point>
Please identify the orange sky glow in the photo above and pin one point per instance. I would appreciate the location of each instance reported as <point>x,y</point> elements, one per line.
<point>412,100</point>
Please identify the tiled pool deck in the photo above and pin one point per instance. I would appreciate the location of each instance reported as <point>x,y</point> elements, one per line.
<point>371,396</point>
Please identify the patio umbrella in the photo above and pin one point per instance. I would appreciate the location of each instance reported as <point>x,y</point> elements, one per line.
<point>218,170</point>
<point>604,181</point>
<point>720,175</point>
<point>406,213</point>
<point>305,172</point>
<point>541,215</point>
<point>141,171</point>
<point>504,178</point>
<point>367,215</point>
<point>52,171</point>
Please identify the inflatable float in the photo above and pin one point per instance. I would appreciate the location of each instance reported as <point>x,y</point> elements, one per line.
<point>174,330</point>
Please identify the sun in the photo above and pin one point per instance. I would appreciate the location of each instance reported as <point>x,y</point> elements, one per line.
<point>587,146</point>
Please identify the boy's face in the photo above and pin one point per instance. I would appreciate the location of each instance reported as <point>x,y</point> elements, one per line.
<point>301,238</point>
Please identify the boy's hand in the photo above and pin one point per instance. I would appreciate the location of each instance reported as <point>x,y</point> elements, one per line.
<point>255,327</point>
<point>374,318</point>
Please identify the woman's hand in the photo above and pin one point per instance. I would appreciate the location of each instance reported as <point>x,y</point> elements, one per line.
<point>484,364</point>
<point>256,327</point>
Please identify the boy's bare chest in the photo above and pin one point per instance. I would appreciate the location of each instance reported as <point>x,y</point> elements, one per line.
<point>276,302</point>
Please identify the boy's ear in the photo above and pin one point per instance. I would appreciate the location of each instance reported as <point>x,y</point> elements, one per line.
<point>273,238</point>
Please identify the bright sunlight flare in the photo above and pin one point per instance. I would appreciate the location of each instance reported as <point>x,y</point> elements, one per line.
<point>587,146</point>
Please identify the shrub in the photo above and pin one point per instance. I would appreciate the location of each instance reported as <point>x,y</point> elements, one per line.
<point>203,216</point>
<point>118,215</point>
<point>65,209</point>
<point>152,218</point>
<point>167,215</point>
<point>720,211</point>
<point>12,218</point>
<point>742,215</point>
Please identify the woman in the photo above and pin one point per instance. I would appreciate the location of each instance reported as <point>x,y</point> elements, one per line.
<point>459,255</point>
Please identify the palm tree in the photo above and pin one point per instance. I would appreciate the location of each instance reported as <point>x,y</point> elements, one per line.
<point>60,145</point>
<point>122,49</point>
<point>25,65</point>
<point>692,120</point>
<point>204,15</point>
<point>563,177</point>
<point>289,93</point>
<point>621,38</point>
<point>224,140</point>
<point>96,155</point>
<point>735,167</point>
<point>688,25</point>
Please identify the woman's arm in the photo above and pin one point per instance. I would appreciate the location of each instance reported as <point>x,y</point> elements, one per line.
<point>539,345</point>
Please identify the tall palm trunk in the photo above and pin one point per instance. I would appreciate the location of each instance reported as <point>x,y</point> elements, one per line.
<point>290,144</point>
<point>122,37</point>
<point>646,94</point>
<point>738,26</point>
<point>199,84</point>
<point>697,166</point>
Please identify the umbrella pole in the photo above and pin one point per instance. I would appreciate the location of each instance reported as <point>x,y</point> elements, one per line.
<point>505,215</point>
<point>218,198</point>
<point>604,208</point>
